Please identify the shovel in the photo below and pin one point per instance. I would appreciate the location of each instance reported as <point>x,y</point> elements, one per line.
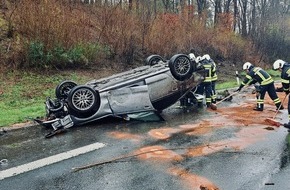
<point>272,120</point>
<point>214,106</point>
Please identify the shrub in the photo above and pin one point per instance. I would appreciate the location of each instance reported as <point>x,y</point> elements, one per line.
<point>36,54</point>
<point>231,46</point>
<point>79,55</point>
<point>63,35</point>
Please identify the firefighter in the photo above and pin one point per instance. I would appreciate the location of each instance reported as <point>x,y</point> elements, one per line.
<point>213,79</point>
<point>284,67</point>
<point>206,85</point>
<point>258,75</point>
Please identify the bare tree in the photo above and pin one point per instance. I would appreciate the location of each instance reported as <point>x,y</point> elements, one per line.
<point>201,5</point>
<point>243,19</point>
<point>130,2</point>
<point>252,18</point>
<point>227,5</point>
<point>166,4</point>
<point>236,12</point>
<point>217,10</point>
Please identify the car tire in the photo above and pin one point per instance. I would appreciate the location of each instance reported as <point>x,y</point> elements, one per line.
<point>83,100</point>
<point>153,60</point>
<point>181,67</point>
<point>62,90</point>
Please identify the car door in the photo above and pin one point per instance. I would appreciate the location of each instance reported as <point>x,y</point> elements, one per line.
<point>130,99</point>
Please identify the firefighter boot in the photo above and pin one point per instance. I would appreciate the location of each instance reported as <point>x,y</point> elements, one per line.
<point>259,107</point>
<point>208,104</point>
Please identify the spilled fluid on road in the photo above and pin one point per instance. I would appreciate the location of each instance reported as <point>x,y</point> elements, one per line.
<point>250,127</point>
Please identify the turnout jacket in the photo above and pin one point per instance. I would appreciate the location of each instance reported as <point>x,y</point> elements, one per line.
<point>285,77</point>
<point>255,75</point>
<point>209,70</point>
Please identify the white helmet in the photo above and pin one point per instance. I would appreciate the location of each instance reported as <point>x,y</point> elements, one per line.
<point>247,65</point>
<point>206,56</point>
<point>192,56</point>
<point>198,59</point>
<point>279,63</point>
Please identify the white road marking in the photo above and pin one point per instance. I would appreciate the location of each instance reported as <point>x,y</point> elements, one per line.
<point>49,160</point>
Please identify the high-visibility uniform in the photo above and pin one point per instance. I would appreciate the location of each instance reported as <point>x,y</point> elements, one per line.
<point>206,85</point>
<point>256,74</point>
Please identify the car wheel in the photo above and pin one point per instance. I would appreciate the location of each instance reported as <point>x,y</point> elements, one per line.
<point>62,90</point>
<point>181,67</point>
<point>83,100</point>
<point>153,60</point>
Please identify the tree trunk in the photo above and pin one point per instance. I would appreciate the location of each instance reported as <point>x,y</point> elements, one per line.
<point>217,11</point>
<point>130,5</point>
<point>244,5</point>
<point>166,4</point>
<point>155,7</point>
<point>201,5</point>
<point>236,13</point>
<point>253,27</point>
<point>227,6</point>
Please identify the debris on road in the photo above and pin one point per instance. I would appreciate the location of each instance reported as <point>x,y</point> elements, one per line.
<point>269,128</point>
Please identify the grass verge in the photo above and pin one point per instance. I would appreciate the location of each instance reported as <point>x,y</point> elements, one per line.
<point>22,94</point>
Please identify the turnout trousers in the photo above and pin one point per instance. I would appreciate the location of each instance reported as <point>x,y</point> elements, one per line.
<point>270,88</point>
<point>205,88</point>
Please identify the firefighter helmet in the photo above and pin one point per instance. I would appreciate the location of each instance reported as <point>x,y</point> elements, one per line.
<point>279,63</point>
<point>198,59</point>
<point>247,66</point>
<point>206,56</point>
<point>192,56</point>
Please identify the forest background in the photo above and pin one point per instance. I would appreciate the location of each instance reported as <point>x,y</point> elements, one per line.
<point>45,41</point>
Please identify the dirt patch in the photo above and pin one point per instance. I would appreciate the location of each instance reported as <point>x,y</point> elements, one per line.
<point>158,153</point>
<point>193,181</point>
<point>120,135</point>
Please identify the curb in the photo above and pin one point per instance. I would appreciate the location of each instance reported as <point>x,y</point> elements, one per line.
<point>18,126</point>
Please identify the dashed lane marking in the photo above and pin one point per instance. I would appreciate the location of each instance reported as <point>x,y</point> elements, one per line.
<point>49,160</point>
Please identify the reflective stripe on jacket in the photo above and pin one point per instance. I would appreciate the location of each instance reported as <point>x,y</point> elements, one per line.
<point>257,74</point>
<point>208,68</point>
<point>214,75</point>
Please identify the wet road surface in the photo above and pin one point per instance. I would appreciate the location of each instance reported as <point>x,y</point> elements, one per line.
<point>228,148</point>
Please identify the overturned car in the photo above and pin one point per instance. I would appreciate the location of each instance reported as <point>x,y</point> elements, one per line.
<point>150,88</point>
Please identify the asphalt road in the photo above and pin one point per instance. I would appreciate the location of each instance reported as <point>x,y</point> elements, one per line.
<point>230,148</point>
